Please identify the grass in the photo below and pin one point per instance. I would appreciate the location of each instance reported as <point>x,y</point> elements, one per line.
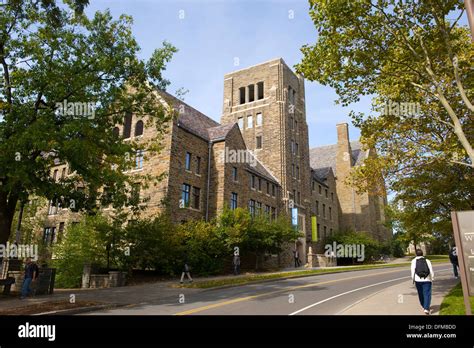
<point>453,303</point>
<point>241,280</point>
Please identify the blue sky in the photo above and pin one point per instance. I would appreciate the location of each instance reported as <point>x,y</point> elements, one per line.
<point>210,34</point>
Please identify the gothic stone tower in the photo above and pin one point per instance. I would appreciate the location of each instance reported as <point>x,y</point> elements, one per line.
<point>268,103</point>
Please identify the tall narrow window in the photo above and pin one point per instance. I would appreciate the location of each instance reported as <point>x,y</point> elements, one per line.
<point>330,213</point>
<point>139,159</point>
<point>242,95</point>
<point>139,128</point>
<point>60,231</point>
<point>241,122</point>
<point>249,121</point>
<point>274,213</point>
<point>260,90</point>
<point>127,125</point>
<point>251,93</point>
<point>187,163</point>
<point>258,208</point>
<point>259,119</point>
<point>55,175</point>
<point>258,142</point>
<point>290,96</point>
<point>326,193</point>
<point>259,184</point>
<point>268,187</point>
<point>196,198</point>
<point>267,210</point>
<point>135,194</point>
<point>185,192</point>
<point>273,190</point>
<point>317,207</point>
<point>233,201</point>
<point>63,173</point>
<point>299,197</point>
<point>324,210</point>
<point>252,207</point>
<point>234,174</point>
<point>198,165</point>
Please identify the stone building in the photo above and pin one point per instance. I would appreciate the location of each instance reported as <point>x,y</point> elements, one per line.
<point>257,157</point>
<point>357,211</point>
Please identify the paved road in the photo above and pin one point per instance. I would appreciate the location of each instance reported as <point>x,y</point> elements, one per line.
<point>321,294</point>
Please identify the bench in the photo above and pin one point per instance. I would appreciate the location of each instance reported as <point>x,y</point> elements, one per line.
<point>7,284</point>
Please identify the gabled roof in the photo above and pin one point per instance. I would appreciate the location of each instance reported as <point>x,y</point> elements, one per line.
<point>325,157</point>
<point>261,170</point>
<point>219,132</point>
<point>191,119</point>
<point>321,174</point>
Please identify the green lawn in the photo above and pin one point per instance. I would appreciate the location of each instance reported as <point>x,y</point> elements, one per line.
<point>205,284</point>
<point>453,303</point>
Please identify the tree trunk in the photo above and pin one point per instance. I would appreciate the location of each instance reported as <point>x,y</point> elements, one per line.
<point>7,211</point>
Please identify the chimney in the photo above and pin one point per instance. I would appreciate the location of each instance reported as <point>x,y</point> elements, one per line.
<point>343,157</point>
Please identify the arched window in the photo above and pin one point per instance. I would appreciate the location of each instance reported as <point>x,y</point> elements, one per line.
<point>127,125</point>
<point>116,132</point>
<point>139,128</point>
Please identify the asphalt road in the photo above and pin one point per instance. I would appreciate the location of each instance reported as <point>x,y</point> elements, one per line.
<point>315,295</point>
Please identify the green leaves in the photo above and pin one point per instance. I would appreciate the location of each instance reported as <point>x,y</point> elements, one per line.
<point>52,54</point>
<point>403,52</point>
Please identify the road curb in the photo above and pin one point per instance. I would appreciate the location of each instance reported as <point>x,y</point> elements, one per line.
<point>80,310</point>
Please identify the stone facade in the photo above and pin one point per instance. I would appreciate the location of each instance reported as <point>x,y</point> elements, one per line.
<point>257,157</point>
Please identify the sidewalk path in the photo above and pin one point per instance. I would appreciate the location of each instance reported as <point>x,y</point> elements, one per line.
<point>402,299</point>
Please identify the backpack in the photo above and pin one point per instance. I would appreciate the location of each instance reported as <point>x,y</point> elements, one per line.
<point>421,269</point>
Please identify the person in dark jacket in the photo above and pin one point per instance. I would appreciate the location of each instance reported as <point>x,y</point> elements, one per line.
<point>187,272</point>
<point>453,257</point>
<point>236,264</point>
<point>31,274</point>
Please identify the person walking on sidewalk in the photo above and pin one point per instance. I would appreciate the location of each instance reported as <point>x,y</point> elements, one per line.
<point>423,276</point>
<point>31,273</point>
<point>453,257</point>
<point>186,271</point>
<point>296,256</point>
<point>236,264</point>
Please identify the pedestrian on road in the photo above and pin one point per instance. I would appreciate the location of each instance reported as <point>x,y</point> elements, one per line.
<point>423,276</point>
<point>453,257</point>
<point>31,274</point>
<point>186,271</point>
<point>236,264</point>
<point>296,256</point>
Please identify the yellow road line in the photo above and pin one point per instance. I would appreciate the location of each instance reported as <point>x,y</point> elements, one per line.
<point>241,299</point>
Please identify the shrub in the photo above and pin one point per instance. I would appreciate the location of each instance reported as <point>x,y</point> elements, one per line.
<point>83,242</point>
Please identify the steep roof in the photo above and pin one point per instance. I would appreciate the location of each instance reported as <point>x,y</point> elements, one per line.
<point>191,119</point>
<point>261,170</point>
<point>219,132</point>
<point>324,157</point>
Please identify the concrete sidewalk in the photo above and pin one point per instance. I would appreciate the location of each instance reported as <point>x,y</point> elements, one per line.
<point>402,299</point>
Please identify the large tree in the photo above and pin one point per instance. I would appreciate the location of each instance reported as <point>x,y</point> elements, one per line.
<point>51,53</point>
<point>416,62</point>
